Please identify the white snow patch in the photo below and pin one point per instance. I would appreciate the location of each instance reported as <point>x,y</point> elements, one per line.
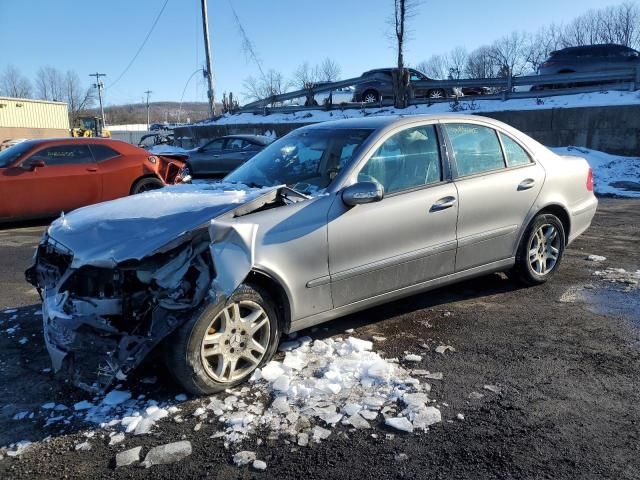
<point>596,258</point>
<point>612,174</point>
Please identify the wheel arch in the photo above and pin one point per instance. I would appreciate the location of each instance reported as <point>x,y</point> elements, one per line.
<point>555,209</point>
<point>275,288</point>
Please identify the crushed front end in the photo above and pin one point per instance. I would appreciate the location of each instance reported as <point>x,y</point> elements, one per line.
<point>100,323</point>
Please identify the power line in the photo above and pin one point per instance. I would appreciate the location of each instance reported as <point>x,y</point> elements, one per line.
<point>144,42</point>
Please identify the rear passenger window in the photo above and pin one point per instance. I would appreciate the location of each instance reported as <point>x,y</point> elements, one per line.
<point>102,152</point>
<point>408,159</point>
<point>516,156</point>
<point>476,148</point>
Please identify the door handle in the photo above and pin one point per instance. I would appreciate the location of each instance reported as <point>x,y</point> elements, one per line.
<point>216,156</point>
<point>443,203</point>
<point>526,184</point>
<point>92,169</point>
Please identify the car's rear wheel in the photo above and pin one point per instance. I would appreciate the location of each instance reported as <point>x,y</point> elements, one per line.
<point>436,93</point>
<point>146,184</point>
<point>370,96</point>
<point>540,250</point>
<point>223,344</point>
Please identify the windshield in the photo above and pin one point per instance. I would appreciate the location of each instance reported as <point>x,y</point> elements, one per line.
<point>305,160</point>
<point>11,154</point>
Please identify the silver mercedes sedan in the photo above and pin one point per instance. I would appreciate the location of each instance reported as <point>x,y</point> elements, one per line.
<point>330,219</point>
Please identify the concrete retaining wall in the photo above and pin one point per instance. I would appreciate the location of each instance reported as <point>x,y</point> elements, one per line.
<point>609,129</point>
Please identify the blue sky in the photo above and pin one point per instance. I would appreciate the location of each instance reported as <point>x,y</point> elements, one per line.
<point>104,35</point>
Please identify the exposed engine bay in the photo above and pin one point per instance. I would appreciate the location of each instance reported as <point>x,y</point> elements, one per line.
<point>101,321</point>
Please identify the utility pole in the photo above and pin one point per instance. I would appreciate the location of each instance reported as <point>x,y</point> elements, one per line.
<point>99,85</point>
<point>148,92</point>
<point>207,49</point>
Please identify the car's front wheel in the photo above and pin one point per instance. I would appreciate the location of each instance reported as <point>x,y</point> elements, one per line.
<point>370,96</point>
<point>223,344</point>
<point>540,250</point>
<point>146,184</point>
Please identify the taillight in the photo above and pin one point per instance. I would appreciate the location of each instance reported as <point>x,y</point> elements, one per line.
<point>590,180</point>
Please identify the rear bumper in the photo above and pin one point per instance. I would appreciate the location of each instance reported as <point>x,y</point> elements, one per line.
<point>581,217</point>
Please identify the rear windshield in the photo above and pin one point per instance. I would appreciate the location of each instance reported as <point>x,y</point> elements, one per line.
<point>11,154</point>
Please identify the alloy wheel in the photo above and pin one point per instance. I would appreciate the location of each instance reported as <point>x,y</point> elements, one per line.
<point>544,249</point>
<point>235,341</point>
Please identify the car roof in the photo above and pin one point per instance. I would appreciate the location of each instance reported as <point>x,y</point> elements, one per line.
<point>120,145</point>
<point>383,121</point>
<point>387,70</point>
<point>613,47</point>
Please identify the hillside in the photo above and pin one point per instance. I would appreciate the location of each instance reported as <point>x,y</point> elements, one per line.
<point>171,112</point>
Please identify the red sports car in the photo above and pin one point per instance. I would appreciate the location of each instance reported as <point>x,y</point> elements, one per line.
<point>40,178</point>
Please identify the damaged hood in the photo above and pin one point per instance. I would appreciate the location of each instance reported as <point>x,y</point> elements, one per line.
<point>134,227</point>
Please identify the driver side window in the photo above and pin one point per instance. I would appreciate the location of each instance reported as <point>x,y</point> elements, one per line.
<point>408,159</point>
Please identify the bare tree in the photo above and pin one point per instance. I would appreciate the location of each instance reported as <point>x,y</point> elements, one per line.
<point>539,46</point>
<point>306,76</point>
<point>78,97</point>
<point>403,11</point>
<point>14,84</point>
<point>434,67</point>
<point>50,84</point>
<point>273,83</point>
<point>481,63</point>
<point>509,55</point>
<point>456,61</point>
<point>329,70</point>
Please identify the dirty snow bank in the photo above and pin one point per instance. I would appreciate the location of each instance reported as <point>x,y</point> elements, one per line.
<point>466,105</point>
<point>613,174</point>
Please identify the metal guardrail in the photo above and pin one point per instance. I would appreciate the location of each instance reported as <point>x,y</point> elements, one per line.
<point>550,85</point>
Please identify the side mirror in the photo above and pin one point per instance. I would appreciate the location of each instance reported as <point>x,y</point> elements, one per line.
<point>362,192</point>
<point>31,165</point>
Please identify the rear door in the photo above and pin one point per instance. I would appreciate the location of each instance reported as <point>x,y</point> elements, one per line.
<point>407,238</point>
<point>69,179</point>
<point>497,182</point>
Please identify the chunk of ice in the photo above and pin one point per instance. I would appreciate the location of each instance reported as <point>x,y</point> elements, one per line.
<point>169,453</point>
<point>400,423</point>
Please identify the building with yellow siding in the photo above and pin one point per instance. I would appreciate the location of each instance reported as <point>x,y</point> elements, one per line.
<point>25,118</point>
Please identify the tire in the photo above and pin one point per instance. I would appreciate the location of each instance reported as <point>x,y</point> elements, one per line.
<point>146,184</point>
<point>548,248</point>
<point>437,93</point>
<point>370,96</point>
<point>201,374</point>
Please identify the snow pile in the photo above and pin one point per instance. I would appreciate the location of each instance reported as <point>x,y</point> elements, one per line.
<point>596,258</point>
<point>612,174</point>
<point>326,383</point>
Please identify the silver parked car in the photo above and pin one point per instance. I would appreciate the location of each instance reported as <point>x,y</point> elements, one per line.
<point>330,219</point>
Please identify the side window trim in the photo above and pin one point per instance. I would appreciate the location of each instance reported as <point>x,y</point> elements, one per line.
<point>451,155</point>
<point>504,150</point>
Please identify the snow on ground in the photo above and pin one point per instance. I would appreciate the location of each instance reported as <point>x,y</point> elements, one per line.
<point>319,385</point>
<point>466,105</point>
<point>613,174</point>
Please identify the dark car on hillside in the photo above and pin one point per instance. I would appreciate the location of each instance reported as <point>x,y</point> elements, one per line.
<point>380,86</point>
<point>590,58</point>
<point>223,155</point>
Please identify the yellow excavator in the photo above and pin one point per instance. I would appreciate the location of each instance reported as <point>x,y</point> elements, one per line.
<point>89,127</point>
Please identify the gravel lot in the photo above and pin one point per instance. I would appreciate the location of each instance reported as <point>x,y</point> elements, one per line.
<point>564,358</point>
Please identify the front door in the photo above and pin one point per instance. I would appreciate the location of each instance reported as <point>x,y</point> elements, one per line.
<point>407,238</point>
<point>497,183</point>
